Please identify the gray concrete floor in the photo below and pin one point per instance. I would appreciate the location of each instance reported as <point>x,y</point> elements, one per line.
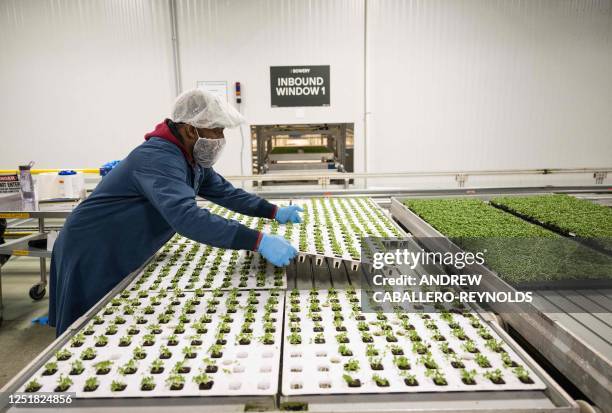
<point>20,340</point>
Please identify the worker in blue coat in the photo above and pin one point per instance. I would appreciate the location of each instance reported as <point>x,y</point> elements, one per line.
<point>150,196</point>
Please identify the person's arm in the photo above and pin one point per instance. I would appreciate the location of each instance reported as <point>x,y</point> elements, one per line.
<point>216,189</point>
<point>161,178</point>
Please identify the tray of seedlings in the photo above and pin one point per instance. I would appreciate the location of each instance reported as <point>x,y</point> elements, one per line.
<point>589,222</point>
<point>164,344</point>
<point>331,228</point>
<point>190,266</point>
<point>332,347</point>
<point>547,259</point>
<point>335,227</point>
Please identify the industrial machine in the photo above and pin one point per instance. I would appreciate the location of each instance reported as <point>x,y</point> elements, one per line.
<point>302,149</point>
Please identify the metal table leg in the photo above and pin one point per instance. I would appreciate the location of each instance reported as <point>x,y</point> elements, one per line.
<point>43,266</point>
<point>38,291</point>
<point>1,303</point>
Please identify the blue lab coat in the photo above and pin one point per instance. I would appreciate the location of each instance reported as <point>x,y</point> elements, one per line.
<point>133,212</point>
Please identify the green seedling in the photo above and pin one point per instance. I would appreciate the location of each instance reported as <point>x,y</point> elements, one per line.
<point>409,379</point>
<point>350,381</point>
<point>401,362</point>
<point>468,376</point>
<point>139,353</point>
<point>91,384</point>
<point>128,368</point>
<point>50,369</point>
<point>175,381</point>
<point>63,383</point>
<point>429,362</point>
<point>437,376</point>
<point>371,351</point>
<point>380,381</point>
<point>147,383</point>
<point>103,367</point>
<point>77,340</point>
<point>101,341</point>
<point>496,376</point>
<point>157,366</point>
<point>419,347</point>
<point>204,381</point>
<point>522,374</point>
<point>216,351</point>
<point>33,386</point>
<point>495,345</point>
<point>470,346</point>
<point>76,368</point>
<point>344,350</point>
<point>351,365</point>
<point>117,385</point>
<point>62,355</point>
<point>482,361</point>
<point>294,338</point>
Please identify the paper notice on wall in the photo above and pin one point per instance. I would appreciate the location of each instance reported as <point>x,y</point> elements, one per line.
<point>216,87</point>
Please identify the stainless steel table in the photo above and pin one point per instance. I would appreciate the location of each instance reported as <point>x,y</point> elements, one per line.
<point>13,207</point>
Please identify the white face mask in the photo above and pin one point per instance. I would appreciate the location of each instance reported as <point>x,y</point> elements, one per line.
<point>207,151</point>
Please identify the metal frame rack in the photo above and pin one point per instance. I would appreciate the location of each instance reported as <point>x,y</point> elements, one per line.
<point>311,273</point>
<point>13,207</point>
<point>571,328</point>
<point>265,161</point>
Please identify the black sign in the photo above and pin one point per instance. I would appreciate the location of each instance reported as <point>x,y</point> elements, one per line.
<point>9,183</point>
<point>299,86</point>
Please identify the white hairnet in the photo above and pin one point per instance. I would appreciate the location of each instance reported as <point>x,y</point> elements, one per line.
<point>202,109</point>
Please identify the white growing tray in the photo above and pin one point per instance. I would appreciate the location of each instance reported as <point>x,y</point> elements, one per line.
<point>273,278</point>
<point>310,369</point>
<point>243,370</point>
<point>360,216</point>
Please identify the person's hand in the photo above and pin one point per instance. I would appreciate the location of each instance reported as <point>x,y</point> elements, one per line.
<point>276,249</point>
<point>289,213</point>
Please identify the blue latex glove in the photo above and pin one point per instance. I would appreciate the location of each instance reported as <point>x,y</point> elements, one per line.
<point>276,249</point>
<point>289,213</point>
<point>107,167</point>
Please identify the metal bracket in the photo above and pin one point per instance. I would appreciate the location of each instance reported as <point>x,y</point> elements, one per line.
<point>461,179</point>
<point>599,177</point>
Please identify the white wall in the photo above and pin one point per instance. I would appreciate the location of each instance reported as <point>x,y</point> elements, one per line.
<point>81,81</point>
<point>452,84</point>
<point>236,40</point>
<point>480,84</point>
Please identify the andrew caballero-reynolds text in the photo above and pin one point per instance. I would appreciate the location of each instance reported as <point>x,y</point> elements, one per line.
<point>417,288</point>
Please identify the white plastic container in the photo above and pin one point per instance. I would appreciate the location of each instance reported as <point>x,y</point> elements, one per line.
<point>51,185</point>
<point>47,185</point>
<point>72,186</point>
